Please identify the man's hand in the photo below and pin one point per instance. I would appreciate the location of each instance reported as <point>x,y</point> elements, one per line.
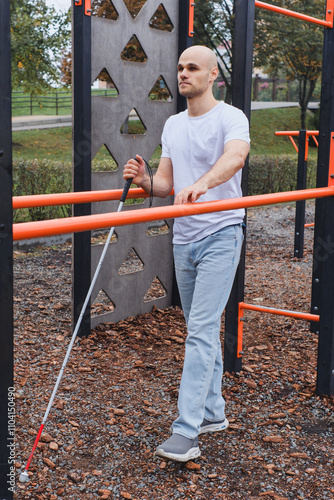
<point>135,169</point>
<point>226,166</point>
<point>191,193</point>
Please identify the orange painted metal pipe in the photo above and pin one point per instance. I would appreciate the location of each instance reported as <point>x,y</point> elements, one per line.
<point>270,310</point>
<point>309,225</point>
<point>27,230</point>
<point>47,200</point>
<point>295,133</point>
<point>280,312</point>
<point>303,17</point>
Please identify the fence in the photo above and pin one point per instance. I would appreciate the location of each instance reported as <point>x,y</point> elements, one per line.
<point>51,103</point>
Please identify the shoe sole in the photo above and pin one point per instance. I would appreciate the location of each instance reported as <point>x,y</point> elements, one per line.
<point>190,455</point>
<point>214,427</point>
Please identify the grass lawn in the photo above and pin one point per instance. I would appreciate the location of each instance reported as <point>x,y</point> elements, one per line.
<point>264,124</point>
<point>50,143</point>
<point>56,143</point>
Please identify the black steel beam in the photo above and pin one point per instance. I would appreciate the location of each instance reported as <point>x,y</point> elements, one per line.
<point>323,255</point>
<point>241,98</point>
<point>300,205</point>
<point>7,408</point>
<point>185,41</point>
<point>81,86</point>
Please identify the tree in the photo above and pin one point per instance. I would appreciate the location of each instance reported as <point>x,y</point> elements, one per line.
<point>38,35</point>
<point>213,26</point>
<point>288,45</point>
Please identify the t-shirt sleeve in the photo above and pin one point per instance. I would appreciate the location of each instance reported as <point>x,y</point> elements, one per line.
<point>237,127</point>
<point>165,153</point>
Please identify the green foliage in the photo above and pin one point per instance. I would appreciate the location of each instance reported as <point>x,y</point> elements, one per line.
<point>41,177</point>
<point>291,46</point>
<point>38,36</point>
<point>272,174</point>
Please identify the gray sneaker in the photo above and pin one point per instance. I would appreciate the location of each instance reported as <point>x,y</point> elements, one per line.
<point>207,426</point>
<point>179,448</point>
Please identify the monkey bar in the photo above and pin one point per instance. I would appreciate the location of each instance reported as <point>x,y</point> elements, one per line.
<point>328,23</point>
<point>27,230</point>
<point>270,310</point>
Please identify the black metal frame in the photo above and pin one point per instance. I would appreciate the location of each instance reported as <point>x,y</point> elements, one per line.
<point>323,254</point>
<point>185,41</point>
<point>241,98</point>
<point>300,205</point>
<point>7,415</point>
<point>81,84</point>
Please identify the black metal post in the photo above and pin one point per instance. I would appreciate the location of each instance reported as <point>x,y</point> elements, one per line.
<point>81,110</point>
<point>241,98</point>
<point>7,401</point>
<point>300,205</point>
<point>323,256</point>
<point>185,41</point>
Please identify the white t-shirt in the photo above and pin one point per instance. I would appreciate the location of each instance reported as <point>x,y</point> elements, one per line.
<point>194,144</point>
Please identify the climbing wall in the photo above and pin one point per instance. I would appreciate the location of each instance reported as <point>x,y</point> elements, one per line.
<point>134,60</point>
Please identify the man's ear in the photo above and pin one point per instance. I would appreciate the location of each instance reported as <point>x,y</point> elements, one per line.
<point>214,74</point>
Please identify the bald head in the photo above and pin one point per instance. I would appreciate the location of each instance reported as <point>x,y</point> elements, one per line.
<point>202,55</point>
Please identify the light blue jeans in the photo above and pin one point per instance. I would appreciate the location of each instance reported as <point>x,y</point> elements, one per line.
<point>205,273</point>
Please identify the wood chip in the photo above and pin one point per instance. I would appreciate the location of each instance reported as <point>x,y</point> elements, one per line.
<point>74,423</point>
<point>97,472</point>
<point>118,411</point>
<point>126,495</point>
<point>49,463</point>
<point>251,384</point>
<point>273,439</point>
<point>74,476</point>
<point>299,455</point>
<point>192,466</point>
<point>277,415</point>
<point>104,494</point>
<point>46,438</point>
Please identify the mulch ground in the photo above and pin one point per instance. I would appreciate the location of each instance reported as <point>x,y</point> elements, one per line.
<point>118,395</point>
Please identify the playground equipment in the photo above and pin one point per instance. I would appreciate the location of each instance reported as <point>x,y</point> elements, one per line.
<point>302,151</point>
<point>323,266</point>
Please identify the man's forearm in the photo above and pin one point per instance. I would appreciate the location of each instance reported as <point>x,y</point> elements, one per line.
<point>160,187</point>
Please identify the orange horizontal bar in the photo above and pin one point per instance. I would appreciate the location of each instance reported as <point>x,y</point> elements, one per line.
<point>297,15</point>
<point>280,312</point>
<point>296,132</point>
<point>47,200</point>
<point>309,225</point>
<point>27,230</point>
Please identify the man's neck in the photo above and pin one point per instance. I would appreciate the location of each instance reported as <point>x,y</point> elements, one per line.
<point>198,106</point>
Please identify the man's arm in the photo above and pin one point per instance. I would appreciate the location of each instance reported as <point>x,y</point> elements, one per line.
<point>162,180</point>
<point>227,165</point>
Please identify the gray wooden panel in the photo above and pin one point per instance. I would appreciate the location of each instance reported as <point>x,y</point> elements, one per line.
<point>134,82</point>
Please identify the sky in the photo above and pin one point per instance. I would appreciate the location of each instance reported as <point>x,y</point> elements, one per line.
<point>59,4</point>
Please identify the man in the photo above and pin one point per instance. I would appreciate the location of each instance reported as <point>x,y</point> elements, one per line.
<point>203,151</point>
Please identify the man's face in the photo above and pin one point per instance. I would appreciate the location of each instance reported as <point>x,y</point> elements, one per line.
<point>194,75</point>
